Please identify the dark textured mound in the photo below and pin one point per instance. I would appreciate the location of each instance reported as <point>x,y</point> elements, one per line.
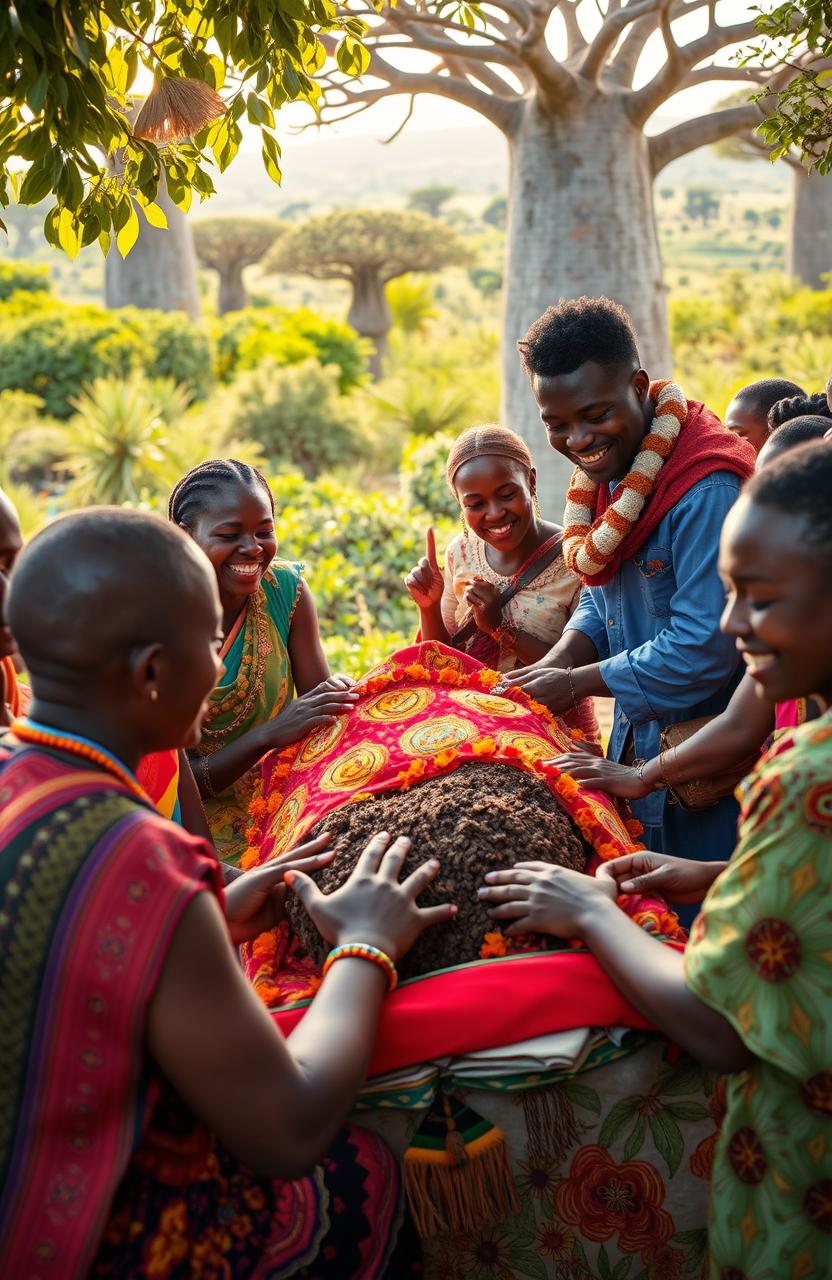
<point>479,818</point>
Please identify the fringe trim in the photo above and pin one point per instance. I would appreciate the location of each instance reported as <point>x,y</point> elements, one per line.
<point>464,1196</point>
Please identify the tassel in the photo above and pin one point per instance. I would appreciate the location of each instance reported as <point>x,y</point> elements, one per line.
<point>550,1123</point>
<point>457,1172</point>
<point>176,108</point>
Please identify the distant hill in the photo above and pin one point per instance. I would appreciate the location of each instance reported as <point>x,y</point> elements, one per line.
<point>358,169</point>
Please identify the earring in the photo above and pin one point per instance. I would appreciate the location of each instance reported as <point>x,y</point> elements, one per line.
<point>154,695</point>
<point>536,505</point>
<point>464,526</point>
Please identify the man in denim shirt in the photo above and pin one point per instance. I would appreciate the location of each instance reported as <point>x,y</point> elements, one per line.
<point>646,630</point>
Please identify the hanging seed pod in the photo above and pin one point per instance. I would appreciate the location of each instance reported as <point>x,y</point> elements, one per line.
<point>176,108</point>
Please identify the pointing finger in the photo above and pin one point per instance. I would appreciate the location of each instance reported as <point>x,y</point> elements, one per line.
<point>430,548</point>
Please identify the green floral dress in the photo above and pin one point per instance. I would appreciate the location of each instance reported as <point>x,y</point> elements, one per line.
<point>761,955</point>
<point>255,687</point>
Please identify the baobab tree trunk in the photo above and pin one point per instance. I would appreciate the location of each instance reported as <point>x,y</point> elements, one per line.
<point>580,221</point>
<point>159,272</point>
<point>370,315</point>
<point>810,228</point>
<point>233,295</point>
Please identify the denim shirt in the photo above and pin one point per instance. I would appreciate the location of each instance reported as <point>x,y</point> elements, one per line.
<point>655,626</point>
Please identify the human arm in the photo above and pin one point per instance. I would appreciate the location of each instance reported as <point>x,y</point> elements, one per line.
<point>582,642</point>
<point>689,654</point>
<point>538,897</point>
<point>718,747</point>
<point>677,879</point>
<point>321,706</point>
<point>426,585</point>
<point>191,809</point>
<point>276,1104</point>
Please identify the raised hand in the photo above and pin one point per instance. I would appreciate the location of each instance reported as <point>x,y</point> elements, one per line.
<point>321,705</point>
<point>254,900</point>
<point>677,879</point>
<point>483,598</point>
<point>601,775</point>
<point>538,897</point>
<point>374,906</point>
<point>425,582</point>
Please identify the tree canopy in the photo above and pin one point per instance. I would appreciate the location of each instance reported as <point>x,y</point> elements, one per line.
<point>69,74</point>
<point>227,245</point>
<point>337,246</point>
<point>798,106</point>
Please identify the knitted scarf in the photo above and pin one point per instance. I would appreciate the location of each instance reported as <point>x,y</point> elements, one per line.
<point>685,443</point>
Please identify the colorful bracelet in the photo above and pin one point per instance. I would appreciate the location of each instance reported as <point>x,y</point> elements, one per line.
<point>363,951</point>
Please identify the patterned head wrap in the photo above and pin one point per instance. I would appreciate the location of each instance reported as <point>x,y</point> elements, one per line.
<point>478,442</point>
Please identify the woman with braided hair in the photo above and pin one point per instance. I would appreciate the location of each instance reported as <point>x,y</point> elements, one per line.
<point>506,593</point>
<point>271,647</point>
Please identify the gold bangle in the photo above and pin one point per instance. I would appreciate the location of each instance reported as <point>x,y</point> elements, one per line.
<point>363,951</point>
<point>572,686</point>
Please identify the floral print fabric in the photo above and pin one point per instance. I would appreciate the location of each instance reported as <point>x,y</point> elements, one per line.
<point>761,954</point>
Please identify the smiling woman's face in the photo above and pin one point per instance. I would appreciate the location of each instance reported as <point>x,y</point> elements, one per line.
<point>236,532</point>
<point>779,605</point>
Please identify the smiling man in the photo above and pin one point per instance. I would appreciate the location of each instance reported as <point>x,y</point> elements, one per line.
<point>655,477</point>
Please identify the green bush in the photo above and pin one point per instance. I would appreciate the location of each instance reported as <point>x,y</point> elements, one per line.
<point>696,319</point>
<point>246,338</point>
<point>55,350</point>
<point>294,413</point>
<point>422,476</point>
<point>22,277</point>
<point>358,548</point>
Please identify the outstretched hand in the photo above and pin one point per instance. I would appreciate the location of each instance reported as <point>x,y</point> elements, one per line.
<point>538,897</point>
<point>254,900</point>
<point>677,879</point>
<point>373,905</point>
<point>550,685</point>
<point>599,774</point>
<point>322,705</point>
<point>425,582</point>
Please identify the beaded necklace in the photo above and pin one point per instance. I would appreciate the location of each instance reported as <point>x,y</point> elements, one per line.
<point>589,543</point>
<point>243,693</point>
<point>73,744</point>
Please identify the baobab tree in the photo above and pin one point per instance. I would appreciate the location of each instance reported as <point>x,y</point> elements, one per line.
<point>581,166</point>
<point>228,245</point>
<point>367,248</point>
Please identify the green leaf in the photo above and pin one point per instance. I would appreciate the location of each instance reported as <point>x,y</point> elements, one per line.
<point>129,233</point>
<point>604,1269</point>
<point>37,94</point>
<point>685,1077</point>
<point>617,1120</point>
<point>668,1139</point>
<point>526,1263</point>
<point>622,1268</point>
<point>582,1096</point>
<point>687,1110</point>
<point>155,216</point>
<point>69,232</point>
<point>38,181</point>
<point>635,1141</point>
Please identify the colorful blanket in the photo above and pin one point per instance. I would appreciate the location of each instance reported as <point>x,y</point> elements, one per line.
<point>423,713</point>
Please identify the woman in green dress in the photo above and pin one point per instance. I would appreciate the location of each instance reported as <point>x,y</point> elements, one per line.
<point>270,647</point>
<point>752,995</point>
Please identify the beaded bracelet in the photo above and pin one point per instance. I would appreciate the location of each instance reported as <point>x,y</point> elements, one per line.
<point>207,784</point>
<point>572,686</point>
<point>363,951</point>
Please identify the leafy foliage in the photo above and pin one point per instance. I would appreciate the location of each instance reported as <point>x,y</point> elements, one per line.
<point>422,476</point>
<point>411,304</point>
<point>22,277</point>
<point>69,71</point>
<point>337,246</point>
<point>245,338</point>
<point>294,413</point>
<point>54,350</point>
<point>222,240</point>
<point>430,199</point>
<point>800,112</point>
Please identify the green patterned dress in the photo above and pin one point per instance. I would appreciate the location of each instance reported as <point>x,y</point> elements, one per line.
<point>255,687</point>
<point>761,955</point>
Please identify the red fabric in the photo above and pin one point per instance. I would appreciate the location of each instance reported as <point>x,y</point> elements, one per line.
<point>703,447</point>
<point>498,1002</point>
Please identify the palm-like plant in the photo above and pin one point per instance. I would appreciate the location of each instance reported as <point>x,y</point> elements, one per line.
<point>119,440</point>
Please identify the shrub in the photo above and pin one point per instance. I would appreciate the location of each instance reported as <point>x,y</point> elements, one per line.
<point>422,476</point>
<point>294,413</point>
<point>697,319</point>
<point>246,338</point>
<point>22,277</point>
<point>55,350</point>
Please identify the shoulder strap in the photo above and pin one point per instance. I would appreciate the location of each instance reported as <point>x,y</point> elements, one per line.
<point>532,570</point>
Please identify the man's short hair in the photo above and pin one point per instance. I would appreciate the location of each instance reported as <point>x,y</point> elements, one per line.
<point>575,331</point>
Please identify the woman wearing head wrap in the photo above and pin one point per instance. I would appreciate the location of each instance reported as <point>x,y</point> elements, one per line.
<point>506,593</point>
